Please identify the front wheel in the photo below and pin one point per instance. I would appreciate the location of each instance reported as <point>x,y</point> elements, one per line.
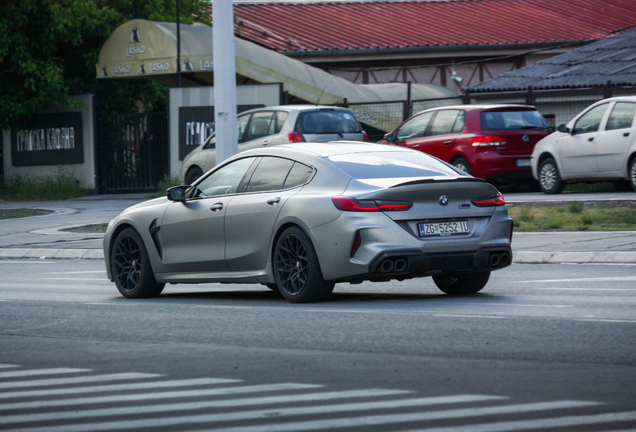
<point>550,181</point>
<point>632,173</point>
<point>131,267</point>
<point>462,283</point>
<point>297,270</point>
<point>193,175</point>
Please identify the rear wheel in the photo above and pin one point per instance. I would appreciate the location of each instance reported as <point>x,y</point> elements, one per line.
<point>131,267</point>
<point>463,165</point>
<point>297,270</point>
<point>549,179</point>
<point>462,283</point>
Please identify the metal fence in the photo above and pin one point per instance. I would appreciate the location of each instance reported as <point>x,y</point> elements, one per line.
<point>132,151</point>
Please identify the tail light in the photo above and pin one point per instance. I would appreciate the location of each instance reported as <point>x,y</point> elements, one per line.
<point>365,136</point>
<point>352,204</point>
<point>296,137</point>
<point>489,201</point>
<point>488,140</point>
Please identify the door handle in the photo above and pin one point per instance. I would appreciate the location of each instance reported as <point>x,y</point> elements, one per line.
<point>416,146</point>
<point>626,134</point>
<point>216,207</point>
<point>590,139</point>
<point>448,142</point>
<point>273,201</point>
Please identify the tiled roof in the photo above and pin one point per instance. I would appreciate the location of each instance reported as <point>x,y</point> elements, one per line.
<point>318,26</point>
<point>612,59</point>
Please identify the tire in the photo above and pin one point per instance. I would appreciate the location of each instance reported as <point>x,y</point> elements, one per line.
<point>131,267</point>
<point>549,179</point>
<point>463,283</point>
<point>463,165</point>
<point>297,269</point>
<point>632,173</point>
<point>193,175</point>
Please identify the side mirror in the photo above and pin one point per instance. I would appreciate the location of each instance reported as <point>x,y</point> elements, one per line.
<point>177,193</point>
<point>389,137</point>
<point>563,128</point>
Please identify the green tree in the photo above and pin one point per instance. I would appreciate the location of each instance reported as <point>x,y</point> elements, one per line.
<point>49,48</point>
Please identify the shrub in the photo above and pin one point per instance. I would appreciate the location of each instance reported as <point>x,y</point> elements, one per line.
<point>59,186</point>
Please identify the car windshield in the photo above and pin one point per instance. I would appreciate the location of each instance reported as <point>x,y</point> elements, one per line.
<point>327,121</point>
<point>392,165</point>
<point>512,120</point>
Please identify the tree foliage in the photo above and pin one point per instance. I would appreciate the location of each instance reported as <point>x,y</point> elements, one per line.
<point>49,48</point>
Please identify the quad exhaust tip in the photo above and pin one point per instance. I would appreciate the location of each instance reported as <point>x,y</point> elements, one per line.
<point>499,259</point>
<point>393,265</point>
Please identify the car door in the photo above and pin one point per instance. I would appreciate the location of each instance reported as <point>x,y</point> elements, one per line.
<point>440,136</point>
<point>411,133</point>
<point>251,216</point>
<point>615,140</point>
<point>193,231</point>
<point>578,150</point>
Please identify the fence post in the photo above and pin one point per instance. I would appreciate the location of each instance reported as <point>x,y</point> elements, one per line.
<point>530,96</point>
<point>607,91</point>
<point>407,104</point>
<point>466,98</point>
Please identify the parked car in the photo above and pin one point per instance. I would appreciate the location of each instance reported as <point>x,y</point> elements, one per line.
<point>269,126</point>
<point>493,142</point>
<point>301,217</point>
<point>597,145</point>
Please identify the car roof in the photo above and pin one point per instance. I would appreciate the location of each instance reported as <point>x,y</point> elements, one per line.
<point>321,150</point>
<point>295,108</point>
<point>482,107</point>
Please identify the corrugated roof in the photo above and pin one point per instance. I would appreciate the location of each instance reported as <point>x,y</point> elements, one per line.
<point>318,26</point>
<point>612,59</point>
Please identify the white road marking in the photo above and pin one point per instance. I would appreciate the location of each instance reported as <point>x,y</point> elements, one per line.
<point>103,388</point>
<point>78,272</point>
<point>471,316</point>
<point>322,424</point>
<point>187,406</point>
<point>606,320</point>
<point>545,424</point>
<point>78,279</point>
<point>596,279</point>
<point>34,372</point>
<point>6,366</point>
<point>587,289</point>
<point>74,380</point>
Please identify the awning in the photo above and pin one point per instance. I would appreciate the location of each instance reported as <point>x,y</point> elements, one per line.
<point>141,48</point>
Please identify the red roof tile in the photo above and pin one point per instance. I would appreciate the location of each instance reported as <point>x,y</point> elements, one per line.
<point>395,24</point>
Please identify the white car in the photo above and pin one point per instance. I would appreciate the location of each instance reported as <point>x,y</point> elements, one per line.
<point>269,126</point>
<point>597,145</point>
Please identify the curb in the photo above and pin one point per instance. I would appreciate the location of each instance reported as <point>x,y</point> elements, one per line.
<point>522,257</point>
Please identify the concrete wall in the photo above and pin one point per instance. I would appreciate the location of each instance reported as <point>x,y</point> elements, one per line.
<point>34,158</point>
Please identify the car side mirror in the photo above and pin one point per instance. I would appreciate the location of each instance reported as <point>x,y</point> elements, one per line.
<point>389,137</point>
<point>563,128</point>
<point>177,193</point>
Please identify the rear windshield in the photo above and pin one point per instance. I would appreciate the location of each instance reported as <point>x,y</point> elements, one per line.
<point>327,121</point>
<point>392,165</point>
<point>512,120</point>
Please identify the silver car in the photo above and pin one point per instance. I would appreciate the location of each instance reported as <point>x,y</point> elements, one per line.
<point>269,126</point>
<point>300,218</point>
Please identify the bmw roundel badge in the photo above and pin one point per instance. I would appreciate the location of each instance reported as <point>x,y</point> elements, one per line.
<point>443,200</point>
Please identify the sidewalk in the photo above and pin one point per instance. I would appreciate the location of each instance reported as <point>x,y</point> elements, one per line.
<point>43,237</point>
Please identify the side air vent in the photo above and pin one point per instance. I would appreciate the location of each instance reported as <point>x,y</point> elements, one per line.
<point>154,230</point>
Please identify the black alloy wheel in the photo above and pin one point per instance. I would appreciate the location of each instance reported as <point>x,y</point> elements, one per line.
<point>193,175</point>
<point>462,283</point>
<point>297,269</point>
<point>131,267</point>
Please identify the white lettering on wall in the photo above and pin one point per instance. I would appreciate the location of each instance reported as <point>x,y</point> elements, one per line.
<point>198,132</point>
<point>132,50</point>
<point>46,139</point>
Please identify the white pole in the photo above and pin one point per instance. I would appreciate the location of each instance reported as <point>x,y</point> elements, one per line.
<point>224,79</point>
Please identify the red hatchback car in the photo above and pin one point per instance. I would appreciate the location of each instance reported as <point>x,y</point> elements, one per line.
<point>493,142</point>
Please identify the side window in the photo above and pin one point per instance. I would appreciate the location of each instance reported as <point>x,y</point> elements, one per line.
<point>224,181</point>
<point>460,122</point>
<point>241,124</point>
<point>414,128</point>
<point>279,119</point>
<point>259,125</point>
<point>444,122</point>
<point>590,121</point>
<point>299,174</point>
<point>622,116</point>
<point>269,175</point>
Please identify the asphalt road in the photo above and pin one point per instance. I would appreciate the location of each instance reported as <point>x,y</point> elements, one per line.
<point>543,346</point>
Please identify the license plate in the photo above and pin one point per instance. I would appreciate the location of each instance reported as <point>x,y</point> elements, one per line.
<point>523,162</point>
<point>443,228</point>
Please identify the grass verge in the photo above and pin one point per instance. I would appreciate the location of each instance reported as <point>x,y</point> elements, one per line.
<point>20,213</point>
<point>575,216</point>
<point>59,186</point>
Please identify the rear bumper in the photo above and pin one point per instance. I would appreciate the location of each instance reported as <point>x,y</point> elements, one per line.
<point>407,264</point>
<point>493,166</point>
